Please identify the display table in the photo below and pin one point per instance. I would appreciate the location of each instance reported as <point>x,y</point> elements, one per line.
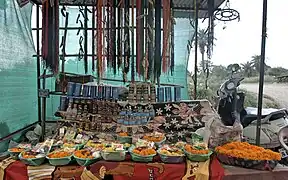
<point>142,171</point>
<point>120,171</point>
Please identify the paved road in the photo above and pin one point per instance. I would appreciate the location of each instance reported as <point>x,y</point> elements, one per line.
<point>277,91</point>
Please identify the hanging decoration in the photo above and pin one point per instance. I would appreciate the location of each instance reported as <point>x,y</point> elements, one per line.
<point>139,41</point>
<point>166,35</point>
<point>113,35</point>
<point>93,36</point>
<point>50,23</point>
<point>145,60</point>
<point>226,13</point>
<point>99,39</point>
<point>132,43</point>
<point>126,40</point>
<point>150,34</point>
<point>119,33</point>
<point>173,22</point>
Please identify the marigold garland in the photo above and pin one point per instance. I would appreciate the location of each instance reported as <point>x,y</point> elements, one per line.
<point>247,151</point>
<point>59,154</point>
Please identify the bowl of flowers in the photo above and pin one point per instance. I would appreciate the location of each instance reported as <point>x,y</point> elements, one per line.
<point>14,152</point>
<point>197,152</point>
<point>171,154</point>
<point>86,157</point>
<point>156,137</point>
<point>95,145</point>
<point>142,154</point>
<point>59,158</point>
<point>32,158</point>
<point>123,137</point>
<point>114,152</point>
<point>246,155</point>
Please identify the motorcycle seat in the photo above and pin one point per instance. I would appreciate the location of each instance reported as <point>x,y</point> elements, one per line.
<point>249,118</point>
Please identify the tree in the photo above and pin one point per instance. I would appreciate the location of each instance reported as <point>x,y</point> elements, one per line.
<point>247,68</point>
<point>202,44</point>
<point>256,61</point>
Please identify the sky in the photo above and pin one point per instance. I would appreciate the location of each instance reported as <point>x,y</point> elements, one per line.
<point>241,40</point>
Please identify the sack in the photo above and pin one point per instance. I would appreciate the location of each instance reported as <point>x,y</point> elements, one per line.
<point>220,134</point>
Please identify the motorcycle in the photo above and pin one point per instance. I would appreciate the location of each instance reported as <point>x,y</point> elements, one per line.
<point>231,108</point>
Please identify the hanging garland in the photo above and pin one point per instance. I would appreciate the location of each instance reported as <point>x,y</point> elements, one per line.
<point>138,39</point>
<point>126,40</point>
<point>99,39</point>
<point>151,38</point>
<point>119,34</point>
<point>145,62</point>
<point>132,45</point>
<point>166,32</point>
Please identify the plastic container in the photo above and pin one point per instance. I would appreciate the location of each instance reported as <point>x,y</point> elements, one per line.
<point>32,161</point>
<point>171,159</point>
<point>86,162</point>
<point>198,157</point>
<point>114,156</point>
<point>159,144</point>
<point>59,161</point>
<point>124,139</point>
<point>138,158</point>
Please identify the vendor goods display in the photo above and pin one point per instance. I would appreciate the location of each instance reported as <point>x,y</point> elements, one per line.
<point>157,138</point>
<point>197,153</point>
<point>73,145</point>
<point>59,158</point>
<point>14,152</point>
<point>246,155</point>
<point>32,158</point>
<point>123,137</point>
<point>142,154</point>
<point>85,157</point>
<point>114,152</point>
<point>96,145</point>
<point>171,154</point>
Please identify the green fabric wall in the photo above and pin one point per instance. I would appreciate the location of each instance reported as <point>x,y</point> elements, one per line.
<point>18,90</point>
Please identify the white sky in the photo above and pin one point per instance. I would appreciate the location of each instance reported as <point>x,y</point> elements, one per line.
<point>241,40</point>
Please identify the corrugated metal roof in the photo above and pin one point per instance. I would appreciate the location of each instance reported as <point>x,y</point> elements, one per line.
<point>189,6</point>
<point>179,5</point>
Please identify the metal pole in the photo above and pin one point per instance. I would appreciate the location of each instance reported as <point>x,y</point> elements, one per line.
<point>261,78</point>
<point>196,51</point>
<point>38,62</point>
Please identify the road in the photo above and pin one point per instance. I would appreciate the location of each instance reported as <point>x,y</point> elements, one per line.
<point>279,92</point>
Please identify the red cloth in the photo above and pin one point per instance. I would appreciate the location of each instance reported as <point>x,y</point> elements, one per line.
<point>216,171</point>
<point>16,171</point>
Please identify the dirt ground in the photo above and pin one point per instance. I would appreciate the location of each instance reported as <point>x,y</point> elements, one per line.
<point>279,92</point>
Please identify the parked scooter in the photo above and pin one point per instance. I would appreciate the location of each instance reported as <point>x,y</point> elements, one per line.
<point>231,107</point>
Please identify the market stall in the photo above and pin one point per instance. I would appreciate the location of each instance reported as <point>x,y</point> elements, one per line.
<point>142,130</point>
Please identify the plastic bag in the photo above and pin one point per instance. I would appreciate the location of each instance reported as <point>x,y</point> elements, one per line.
<point>218,134</point>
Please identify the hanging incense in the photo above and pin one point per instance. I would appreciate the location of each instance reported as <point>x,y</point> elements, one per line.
<point>132,44</point>
<point>119,34</point>
<point>172,38</point>
<point>151,38</point>
<point>99,39</point>
<point>126,40</point>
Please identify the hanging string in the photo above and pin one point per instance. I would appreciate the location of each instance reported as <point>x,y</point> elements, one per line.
<point>113,35</point>
<point>172,38</point>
